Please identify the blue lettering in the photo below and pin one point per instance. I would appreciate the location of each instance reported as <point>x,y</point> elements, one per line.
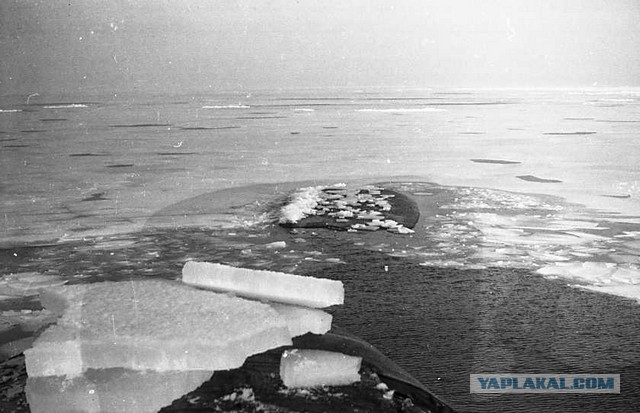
<point>553,383</point>
<point>515,383</point>
<point>493,383</point>
<point>505,382</point>
<point>608,384</point>
<point>592,382</point>
<point>563,384</point>
<point>483,382</point>
<point>540,382</point>
<point>578,383</point>
<point>528,383</point>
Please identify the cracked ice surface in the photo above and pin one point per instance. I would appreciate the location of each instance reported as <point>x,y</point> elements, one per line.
<point>480,228</point>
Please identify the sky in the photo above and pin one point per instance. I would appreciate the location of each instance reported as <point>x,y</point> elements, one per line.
<point>187,46</point>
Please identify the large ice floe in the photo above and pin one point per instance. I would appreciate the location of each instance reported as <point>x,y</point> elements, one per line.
<point>137,345</point>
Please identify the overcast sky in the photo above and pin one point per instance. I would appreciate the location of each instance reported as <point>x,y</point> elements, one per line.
<point>97,46</point>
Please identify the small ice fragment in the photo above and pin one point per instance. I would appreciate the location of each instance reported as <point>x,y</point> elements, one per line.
<point>370,215</point>
<point>310,368</point>
<point>382,386</point>
<point>302,320</point>
<point>403,230</point>
<point>344,214</point>
<point>278,245</point>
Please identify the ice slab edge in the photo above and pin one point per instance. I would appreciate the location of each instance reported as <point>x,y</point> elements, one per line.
<point>264,285</point>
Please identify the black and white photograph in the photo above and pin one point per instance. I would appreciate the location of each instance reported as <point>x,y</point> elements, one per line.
<point>411,206</point>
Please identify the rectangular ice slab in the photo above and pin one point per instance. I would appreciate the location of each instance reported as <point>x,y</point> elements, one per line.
<point>302,320</point>
<point>151,325</point>
<point>310,368</point>
<point>264,285</point>
<point>111,390</point>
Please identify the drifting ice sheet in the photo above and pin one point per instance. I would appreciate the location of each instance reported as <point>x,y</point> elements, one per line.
<point>604,277</point>
<point>264,285</point>
<point>310,368</point>
<point>154,325</point>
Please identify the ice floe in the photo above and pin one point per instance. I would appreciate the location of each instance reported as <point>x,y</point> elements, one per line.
<point>239,106</point>
<point>363,208</point>
<point>605,277</point>
<point>27,283</point>
<point>401,110</point>
<point>67,106</point>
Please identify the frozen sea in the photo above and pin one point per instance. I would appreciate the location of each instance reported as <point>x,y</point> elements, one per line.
<point>525,258</point>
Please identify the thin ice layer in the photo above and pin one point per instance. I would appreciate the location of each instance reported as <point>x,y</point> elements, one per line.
<point>151,324</point>
<point>310,368</point>
<point>111,390</point>
<point>264,285</point>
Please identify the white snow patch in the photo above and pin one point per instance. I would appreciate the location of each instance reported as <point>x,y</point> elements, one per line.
<point>302,203</point>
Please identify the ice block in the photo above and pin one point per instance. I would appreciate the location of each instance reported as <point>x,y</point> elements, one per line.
<point>302,320</point>
<point>264,285</point>
<point>151,325</point>
<point>310,368</point>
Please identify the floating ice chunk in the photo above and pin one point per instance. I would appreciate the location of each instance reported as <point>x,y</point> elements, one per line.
<point>111,390</point>
<point>401,230</point>
<point>344,214</point>
<point>370,215</point>
<point>264,285</point>
<point>151,324</point>
<point>27,283</point>
<point>278,245</point>
<point>238,106</point>
<point>547,256</point>
<point>302,320</point>
<point>588,271</point>
<point>621,290</point>
<point>605,277</point>
<point>310,368</point>
<point>66,106</point>
<point>401,110</point>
